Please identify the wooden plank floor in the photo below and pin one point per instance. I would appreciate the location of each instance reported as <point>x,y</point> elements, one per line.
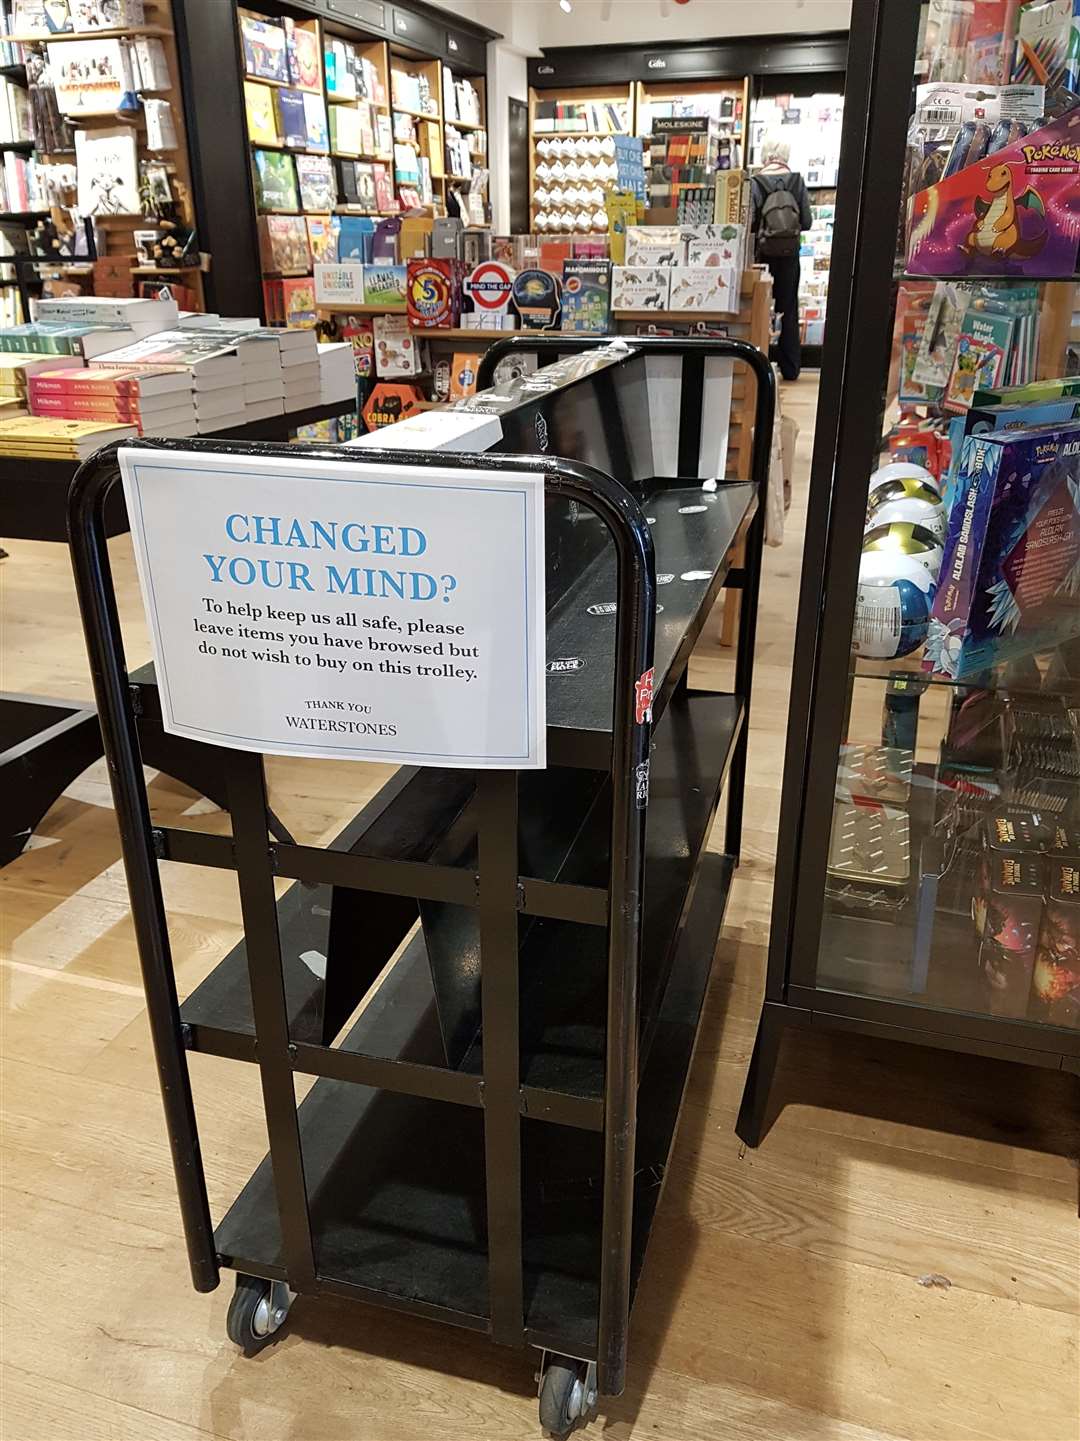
<point>782,1295</point>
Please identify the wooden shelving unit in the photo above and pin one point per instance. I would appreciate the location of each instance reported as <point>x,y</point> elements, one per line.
<point>116,232</point>
<point>622,97</point>
<point>712,94</point>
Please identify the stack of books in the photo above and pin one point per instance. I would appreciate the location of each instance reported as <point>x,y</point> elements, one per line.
<point>86,342</point>
<point>17,371</point>
<point>215,374</point>
<point>337,374</point>
<point>157,402</point>
<point>47,439</point>
<point>258,348</point>
<point>300,369</point>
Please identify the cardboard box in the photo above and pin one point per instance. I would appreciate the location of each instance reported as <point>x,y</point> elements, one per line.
<point>732,198</point>
<point>640,287</point>
<point>704,287</point>
<point>339,284</point>
<point>648,245</point>
<point>385,285</point>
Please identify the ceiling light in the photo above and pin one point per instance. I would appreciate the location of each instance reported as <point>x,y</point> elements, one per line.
<point>566,6</point>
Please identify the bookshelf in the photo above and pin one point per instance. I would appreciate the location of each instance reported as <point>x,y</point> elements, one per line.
<point>385,105</point>
<point>154,197</point>
<point>725,101</point>
<point>571,155</point>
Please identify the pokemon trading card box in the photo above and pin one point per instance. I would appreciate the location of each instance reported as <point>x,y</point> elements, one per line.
<point>1015,213</point>
<point>1010,576</point>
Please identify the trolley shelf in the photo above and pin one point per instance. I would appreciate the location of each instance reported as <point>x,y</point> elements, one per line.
<point>397,1190</point>
<point>698,543</point>
<point>563,964</point>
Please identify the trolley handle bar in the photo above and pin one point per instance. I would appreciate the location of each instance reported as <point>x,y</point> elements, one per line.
<point>702,346</point>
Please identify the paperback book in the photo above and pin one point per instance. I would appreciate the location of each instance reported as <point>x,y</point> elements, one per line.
<point>283,245</point>
<point>318,135</point>
<point>315,176</point>
<point>261,115</point>
<point>292,118</point>
<point>92,77</point>
<point>108,171</point>
<point>302,55</point>
<point>263,44</point>
<point>275,181</point>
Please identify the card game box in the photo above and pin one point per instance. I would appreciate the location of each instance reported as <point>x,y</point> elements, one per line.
<point>640,287</point>
<point>1016,212</point>
<point>1055,982</point>
<point>385,285</point>
<point>586,296</point>
<point>1007,910</point>
<point>339,284</point>
<point>704,287</point>
<point>1010,576</point>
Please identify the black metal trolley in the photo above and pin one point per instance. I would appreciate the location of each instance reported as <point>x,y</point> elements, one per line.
<point>515,963</point>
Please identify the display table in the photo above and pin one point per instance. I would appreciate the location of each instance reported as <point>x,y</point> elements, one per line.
<point>33,492</point>
<point>45,742</point>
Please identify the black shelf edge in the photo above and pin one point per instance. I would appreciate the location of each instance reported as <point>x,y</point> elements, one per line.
<point>977,277</point>
<point>24,217</point>
<point>1001,1037</point>
<point>24,145</point>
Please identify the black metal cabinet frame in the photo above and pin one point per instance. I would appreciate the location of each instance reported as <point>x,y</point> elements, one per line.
<point>884,38</point>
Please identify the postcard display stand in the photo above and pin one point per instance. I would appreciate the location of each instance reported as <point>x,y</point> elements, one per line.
<point>484,1146</point>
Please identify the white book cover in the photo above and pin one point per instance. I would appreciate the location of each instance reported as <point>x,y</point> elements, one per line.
<point>214,425</point>
<point>302,376</point>
<point>306,400</point>
<point>92,77</point>
<point>162,416</point>
<point>263,390</point>
<point>435,430</point>
<point>108,310</point>
<point>263,409</point>
<point>219,402</point>
<point>108,168</point>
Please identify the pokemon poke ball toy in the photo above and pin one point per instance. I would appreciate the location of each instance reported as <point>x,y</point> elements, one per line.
<point>902,470</point>
<point>892,605</point>
<point>910,499</point>
<point>900,537</point>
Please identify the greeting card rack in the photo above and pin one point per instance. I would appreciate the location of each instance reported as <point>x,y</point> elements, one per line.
<point>515,962</point>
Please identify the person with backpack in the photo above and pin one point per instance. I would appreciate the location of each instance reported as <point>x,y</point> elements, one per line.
<point>780,211</point>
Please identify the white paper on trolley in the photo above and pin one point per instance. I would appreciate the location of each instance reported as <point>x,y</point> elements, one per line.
<point>344,609</point>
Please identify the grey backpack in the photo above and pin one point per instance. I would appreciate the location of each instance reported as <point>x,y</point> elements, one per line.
<point>779,231</point>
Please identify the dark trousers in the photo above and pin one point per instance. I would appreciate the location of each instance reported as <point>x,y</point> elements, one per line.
<point>785,274</point>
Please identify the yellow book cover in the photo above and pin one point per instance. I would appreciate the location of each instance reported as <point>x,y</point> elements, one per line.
<point>261,115</point>
<point>46,429</point>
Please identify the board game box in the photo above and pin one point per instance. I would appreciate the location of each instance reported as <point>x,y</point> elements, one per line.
<point>1010,576</point>
<point>586,297</point>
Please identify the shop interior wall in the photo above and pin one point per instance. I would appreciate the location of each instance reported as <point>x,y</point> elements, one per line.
<point>610,22</point>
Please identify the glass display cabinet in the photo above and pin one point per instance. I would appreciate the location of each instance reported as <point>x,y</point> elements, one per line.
<point>928,864</point>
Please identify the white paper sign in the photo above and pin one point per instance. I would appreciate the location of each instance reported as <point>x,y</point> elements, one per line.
<point>346,610</point>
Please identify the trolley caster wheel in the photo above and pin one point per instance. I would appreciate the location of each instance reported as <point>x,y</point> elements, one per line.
<point>256,1312</point>
<point>567,1395</point>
